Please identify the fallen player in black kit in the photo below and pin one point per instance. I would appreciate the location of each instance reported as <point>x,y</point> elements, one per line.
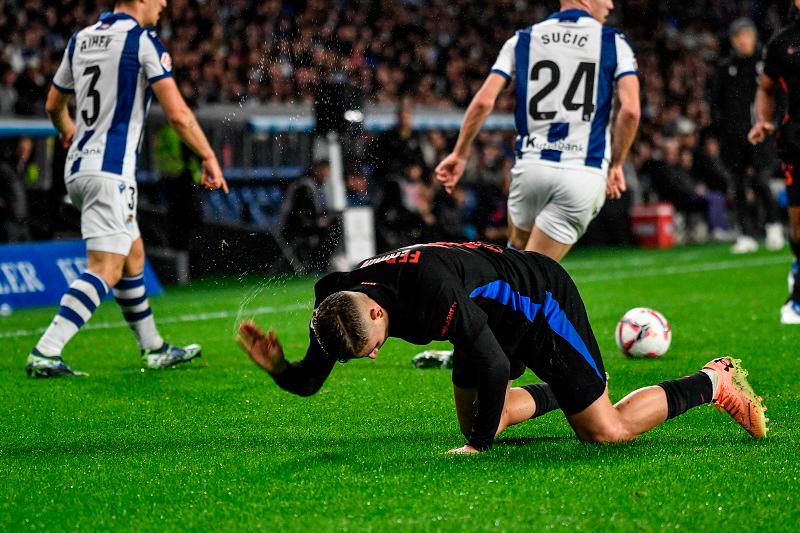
<point>503,310</point>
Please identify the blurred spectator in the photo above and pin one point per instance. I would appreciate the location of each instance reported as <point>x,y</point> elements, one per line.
<point>674,182</point>
<point>306,222</point>
<point>710,167</point>
<point>250,52</point>
<point>8,91</point>
<point>396,225</point>
<point>14,171</point>
<point>357,187</point>
<point>733,90</point>
<point>394,150</point>
<point>179,173</point>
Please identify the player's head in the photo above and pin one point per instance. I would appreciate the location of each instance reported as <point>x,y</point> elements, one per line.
<point>743,36</point>
<point>349,325</point>
<point>146,12</point>
<point>598,9</point>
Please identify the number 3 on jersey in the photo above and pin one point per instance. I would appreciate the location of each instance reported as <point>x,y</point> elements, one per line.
<point>583,75</point>
<point>92,95</point>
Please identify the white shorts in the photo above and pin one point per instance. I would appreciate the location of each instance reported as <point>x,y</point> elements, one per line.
<point>108,213</point>
<point>560,201</point>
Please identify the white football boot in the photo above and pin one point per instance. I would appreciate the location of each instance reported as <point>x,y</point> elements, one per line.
<point>744,245</point>
<point>790,313</point>
<point>775,239</point>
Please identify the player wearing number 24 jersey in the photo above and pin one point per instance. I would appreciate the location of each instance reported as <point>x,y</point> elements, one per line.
<point>114,68</point>
<point>564,71</point>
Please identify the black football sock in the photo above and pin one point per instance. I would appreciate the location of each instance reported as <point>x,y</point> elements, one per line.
<point>795,245</point>
<point>687,392</point>
<point>543,397</point>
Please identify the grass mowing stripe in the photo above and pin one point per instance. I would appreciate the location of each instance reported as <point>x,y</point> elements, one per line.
<point>264,310</point>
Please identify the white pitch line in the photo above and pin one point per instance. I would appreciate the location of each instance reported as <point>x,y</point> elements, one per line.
<point>214,315</point>
<point>685,269</point>
<point>266,310</point>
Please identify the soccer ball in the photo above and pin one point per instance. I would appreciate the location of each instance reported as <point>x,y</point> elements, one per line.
<point>643,332</point>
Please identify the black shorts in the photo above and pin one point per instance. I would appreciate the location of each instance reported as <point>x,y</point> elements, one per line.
<point>560,348</point>
<point>791,174</point>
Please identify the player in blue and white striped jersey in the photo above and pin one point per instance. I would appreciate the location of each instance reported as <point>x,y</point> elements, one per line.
<point>113,68</point>
<point>564,70</point>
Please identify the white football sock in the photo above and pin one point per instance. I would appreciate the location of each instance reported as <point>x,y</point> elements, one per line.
<point>77,306</point>
<point>132,298</point>
<point>712,374</point>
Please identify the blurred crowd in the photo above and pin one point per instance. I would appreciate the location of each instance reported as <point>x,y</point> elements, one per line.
<point>429,53</point>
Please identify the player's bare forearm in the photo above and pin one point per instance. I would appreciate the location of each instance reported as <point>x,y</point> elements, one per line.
<point>625,127</point>
<point>479,109</point>
<point>189,131</point>
<point>181,118</point>
<point>627,121</point>
<point>476,115</point>
<point>764,110</point>
<point>58,112</point>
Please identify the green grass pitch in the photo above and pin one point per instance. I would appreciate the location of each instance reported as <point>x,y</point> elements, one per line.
<point>217,445</point>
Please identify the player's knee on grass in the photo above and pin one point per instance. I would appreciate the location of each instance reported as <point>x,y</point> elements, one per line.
<point>604,433</point>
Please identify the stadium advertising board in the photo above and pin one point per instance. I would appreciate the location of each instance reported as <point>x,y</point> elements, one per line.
<point>38,274</point>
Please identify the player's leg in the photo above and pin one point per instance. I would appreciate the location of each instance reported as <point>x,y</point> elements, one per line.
<point>536,241</point>
<point>107,245</point>
<point>540,242</point>
<point>790,312</point>
<point>575,198</point>
<point>722,381</point>
<point>522,403</point>
<point>766,165</point>
<point>131,295</point>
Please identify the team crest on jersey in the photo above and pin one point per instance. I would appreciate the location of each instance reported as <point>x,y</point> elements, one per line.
<point>166,61</point>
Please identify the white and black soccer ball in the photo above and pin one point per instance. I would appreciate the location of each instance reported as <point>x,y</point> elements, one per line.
<point>643,332</point>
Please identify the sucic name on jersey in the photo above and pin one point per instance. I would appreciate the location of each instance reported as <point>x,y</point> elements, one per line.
<point>95,42</point>
<point>567,37</point>
<point>530,141</point>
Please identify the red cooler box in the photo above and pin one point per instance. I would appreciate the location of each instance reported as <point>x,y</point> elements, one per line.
<point>652,225</point>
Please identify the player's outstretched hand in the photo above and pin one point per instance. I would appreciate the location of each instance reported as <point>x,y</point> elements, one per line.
<point>212,175</point>
<point>464,450</point>
<point>449,171</point>
<point>760,131</point>
<point>615,185</point>
<point>263,348</point>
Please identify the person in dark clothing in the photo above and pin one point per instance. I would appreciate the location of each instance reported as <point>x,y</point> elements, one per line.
<point>306,224</point>
<point>394,150</point>
<point>674,182</point>
<point>396,225</point>
<point>782,66</point>
<point>503,310</point>
<point>732,92</point>
<point>14,209</point>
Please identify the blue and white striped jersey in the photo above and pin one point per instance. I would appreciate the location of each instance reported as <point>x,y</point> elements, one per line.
<point>109,66</point>
<point>564,69</point>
